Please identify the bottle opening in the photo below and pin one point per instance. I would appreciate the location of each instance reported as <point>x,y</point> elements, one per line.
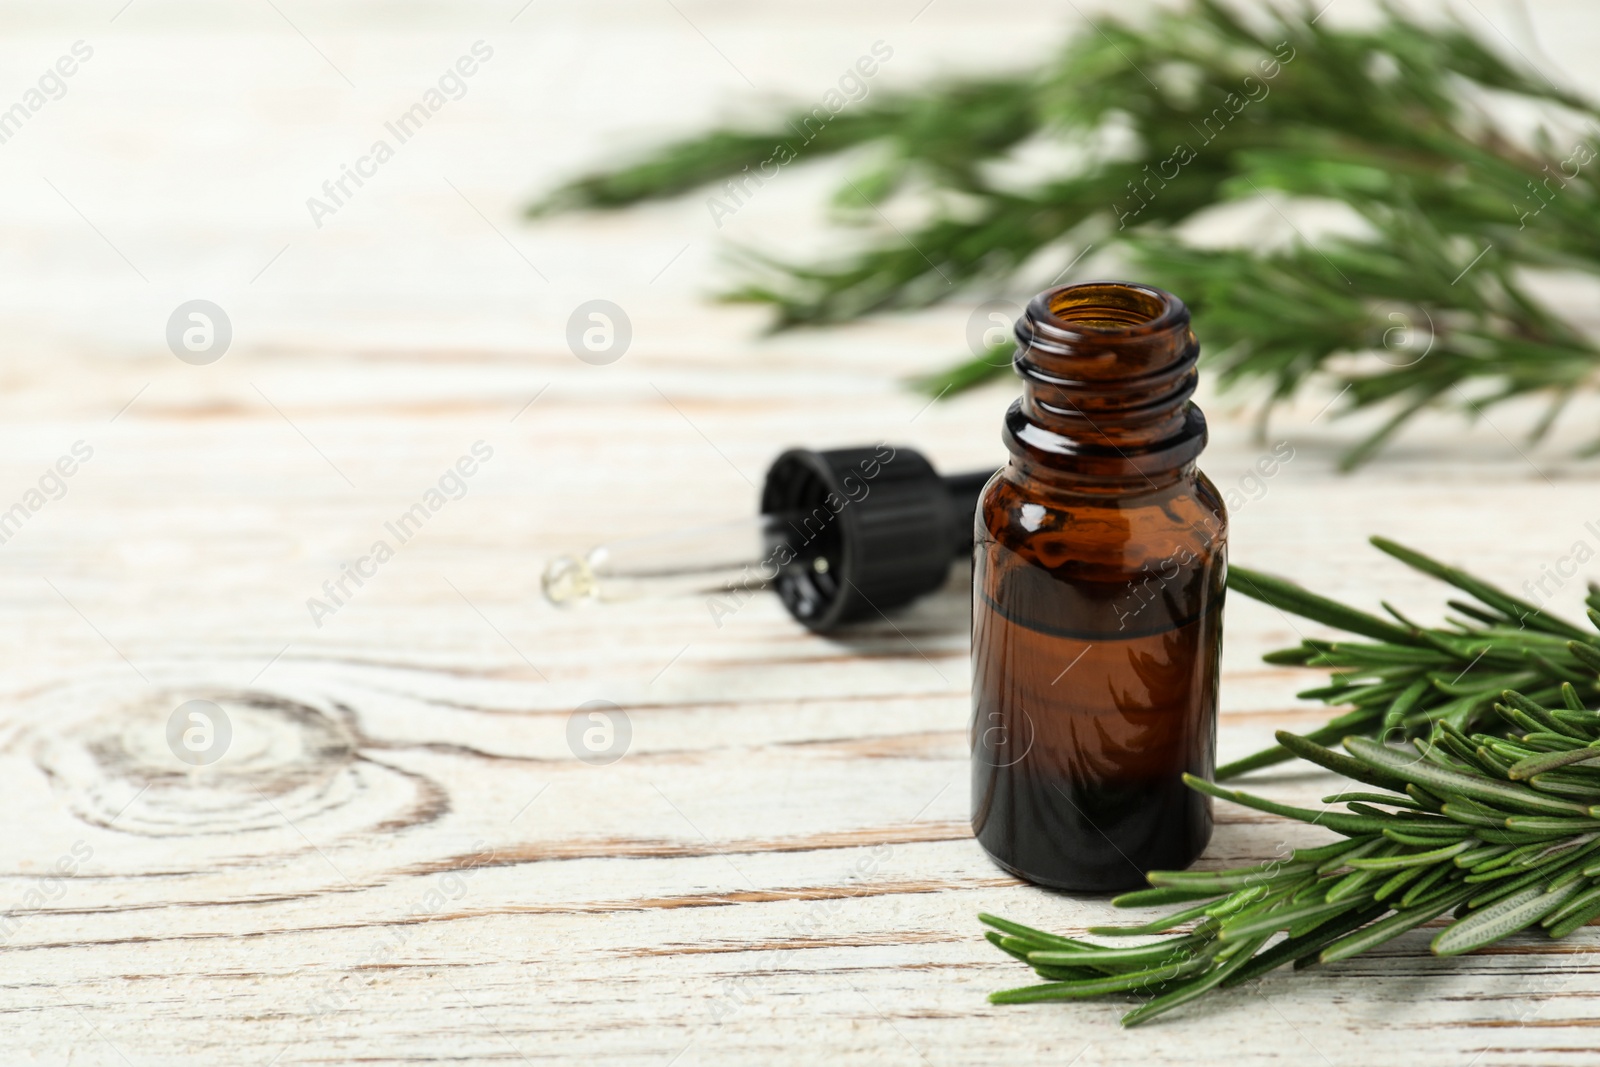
<point>1112,307</point>
<point>1108,368</point>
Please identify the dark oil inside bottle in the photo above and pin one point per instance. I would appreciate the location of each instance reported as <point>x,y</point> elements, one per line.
<point>1098,576</point>
<point>1094,693</point>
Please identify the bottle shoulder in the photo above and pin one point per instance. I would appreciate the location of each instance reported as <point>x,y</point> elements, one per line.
<point>1050,523</point>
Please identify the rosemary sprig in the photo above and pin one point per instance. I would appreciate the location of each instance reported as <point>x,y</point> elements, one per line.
<point>1500,848</point>
<point>1406,679</point>
<point>1170,115</point>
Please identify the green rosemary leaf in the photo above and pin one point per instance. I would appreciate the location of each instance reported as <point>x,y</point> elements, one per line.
<point>1146,898</point>
<point>1322,853</point>
<point>1287,596</point>
<point>1552,669</point>
<point>1355,885</point>
<point>1556,742</point>
<point>1400,879</point>
<point>1237,901</point>
<point>1493,764</point>
<point>1336,728</point>
<point>1529,726</point>
<point>999,940</point>
<point>1522,856</point>
<point>1247,927</point>
<point>1483,854</point>
<point>1583,917</point>
<point>1405,703</point>
<point>1427,884</point>
<point>1413,859</point>
<point>1426,800</point>
<point>1538,824</point>
<point>1154,926</point>
<point>1500,920</point>
<point>1094,987</point>
<point>1510,606</point>
<point>1489,835</point>
<point>1387,929</point>
<point>1564,786</point>
<point>1029,934</point>
<point>1225,881</point>
<point>1589,895</point>
<point>1359,808</point>
<point>1571,875</point>
<point>1585,654</point>
<point>1338,762</point>
<point>1014,945</point>
<point>1191,990</point>
<point>1470,753</point>
<point>1442,756</point>
<point>1430,776</point>
<point>1506,751</point>
<point>1333,820</point>
<point>1543,874</point>
<point>1529,766</point>
<point>1372,798</point>
<point>1471,813</point>
<point>1139,957</point>
<point>1362,846</point>
<point>1465,752</point>
<point>1295,949</point>
<point>1479,614</point>
<point>1288,892</point>
<point>1538,712</point>
<point>1446,887</point>
<point>1349,654</point>
<point>1430,840</point>
<point>1068,974</point>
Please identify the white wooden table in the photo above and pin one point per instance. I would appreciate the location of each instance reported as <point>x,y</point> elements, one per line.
<point>399,859</point>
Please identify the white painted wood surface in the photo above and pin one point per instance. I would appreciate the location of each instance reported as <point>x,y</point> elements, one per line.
<point>399,859</point>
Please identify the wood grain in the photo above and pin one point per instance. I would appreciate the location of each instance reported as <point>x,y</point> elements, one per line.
<point>399,859</point>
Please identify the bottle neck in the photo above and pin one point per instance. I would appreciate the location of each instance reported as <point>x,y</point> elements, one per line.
<point>1108,369</point>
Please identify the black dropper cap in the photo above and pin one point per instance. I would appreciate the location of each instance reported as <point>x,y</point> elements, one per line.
<point>868,529</point>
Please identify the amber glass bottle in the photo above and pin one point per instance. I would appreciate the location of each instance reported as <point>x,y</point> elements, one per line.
<point>1099,568</point>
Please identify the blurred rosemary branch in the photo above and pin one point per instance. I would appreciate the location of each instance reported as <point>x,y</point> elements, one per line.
<point>1165,117</point>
